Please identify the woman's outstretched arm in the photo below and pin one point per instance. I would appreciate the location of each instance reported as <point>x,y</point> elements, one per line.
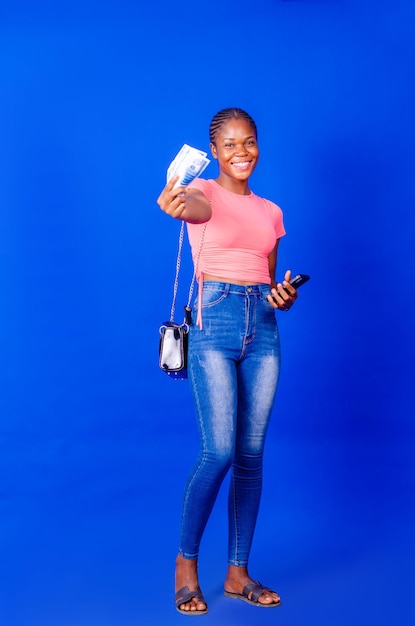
<point>183,203</point>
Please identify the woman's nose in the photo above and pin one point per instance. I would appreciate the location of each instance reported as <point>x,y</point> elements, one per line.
<point>241,149</point>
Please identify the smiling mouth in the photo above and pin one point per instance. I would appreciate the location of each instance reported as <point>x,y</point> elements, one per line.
<point>241,164</point>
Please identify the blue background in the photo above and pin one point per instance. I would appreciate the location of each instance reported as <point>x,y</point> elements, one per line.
<point>96,98</point>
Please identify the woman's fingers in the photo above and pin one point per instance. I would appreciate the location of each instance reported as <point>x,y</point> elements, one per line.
<point>288,290</point>
<point>172,200</point>
<point>284,295</point>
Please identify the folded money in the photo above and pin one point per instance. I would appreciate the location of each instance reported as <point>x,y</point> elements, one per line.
<point>188,164</point>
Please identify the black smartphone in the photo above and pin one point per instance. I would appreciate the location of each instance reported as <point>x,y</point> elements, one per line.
<point>299,280</point>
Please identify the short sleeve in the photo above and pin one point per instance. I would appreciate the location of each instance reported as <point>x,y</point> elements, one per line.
<point>277,218</point>
<point>202,185</point>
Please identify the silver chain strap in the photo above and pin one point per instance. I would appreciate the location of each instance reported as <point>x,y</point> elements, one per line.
<point>176,278</point>
<point>178,263</point>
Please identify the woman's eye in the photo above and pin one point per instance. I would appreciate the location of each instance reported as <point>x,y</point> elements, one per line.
<point>228,145</point>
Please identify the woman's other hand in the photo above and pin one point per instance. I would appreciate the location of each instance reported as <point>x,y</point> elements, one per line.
<point>283,295</point>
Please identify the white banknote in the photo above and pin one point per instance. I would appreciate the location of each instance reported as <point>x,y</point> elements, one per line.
<point>188,164</point>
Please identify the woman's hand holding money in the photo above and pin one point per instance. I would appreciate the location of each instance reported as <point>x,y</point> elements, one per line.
<point>183,203</point>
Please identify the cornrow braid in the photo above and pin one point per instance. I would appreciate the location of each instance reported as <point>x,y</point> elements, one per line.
<point>227,114</point>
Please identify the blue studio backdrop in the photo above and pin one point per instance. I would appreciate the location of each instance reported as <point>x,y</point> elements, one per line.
<point>96,99</point>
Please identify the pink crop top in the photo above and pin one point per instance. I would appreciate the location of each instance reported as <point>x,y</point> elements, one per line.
<point>239,236</point>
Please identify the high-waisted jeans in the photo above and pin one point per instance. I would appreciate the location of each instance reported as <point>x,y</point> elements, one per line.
<point>233,370</point>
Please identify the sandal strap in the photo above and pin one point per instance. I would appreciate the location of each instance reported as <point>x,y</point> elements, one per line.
<point>185,595</point>
<point>256,588</point>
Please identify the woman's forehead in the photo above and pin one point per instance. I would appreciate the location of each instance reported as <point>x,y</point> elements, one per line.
<point>236,126</point>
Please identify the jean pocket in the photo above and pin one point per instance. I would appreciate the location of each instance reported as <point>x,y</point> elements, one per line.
<point>211,296</point>
<point>267,305</point>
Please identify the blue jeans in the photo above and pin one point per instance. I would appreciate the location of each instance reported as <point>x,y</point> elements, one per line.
<point>233,369</point>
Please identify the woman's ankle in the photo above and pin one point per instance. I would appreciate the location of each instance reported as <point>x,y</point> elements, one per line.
<point>186,573</point>
<point>236,577</point>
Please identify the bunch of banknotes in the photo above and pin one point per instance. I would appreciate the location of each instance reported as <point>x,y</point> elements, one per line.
<point>188,164</point>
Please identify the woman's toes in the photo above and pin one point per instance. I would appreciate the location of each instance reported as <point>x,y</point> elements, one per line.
<point>268,597</point>
<point>193,605</point>
<point>198,606</point>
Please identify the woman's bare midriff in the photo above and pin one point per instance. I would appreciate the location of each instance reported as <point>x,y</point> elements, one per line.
<point>221,279</point>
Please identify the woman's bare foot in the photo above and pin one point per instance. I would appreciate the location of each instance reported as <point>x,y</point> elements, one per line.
<point>187,576</point>
<point>238,577</point>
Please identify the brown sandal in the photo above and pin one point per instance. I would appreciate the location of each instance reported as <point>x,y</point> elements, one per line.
<point>185,595</point>
<point>256,590</point>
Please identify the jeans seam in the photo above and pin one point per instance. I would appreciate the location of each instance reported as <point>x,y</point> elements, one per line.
<point>195,472</point>
<point>235,522</point>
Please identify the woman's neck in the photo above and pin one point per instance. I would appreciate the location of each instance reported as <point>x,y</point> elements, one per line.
<point>236,186</point>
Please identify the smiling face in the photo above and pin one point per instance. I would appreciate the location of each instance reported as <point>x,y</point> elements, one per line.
<point>237,152</point>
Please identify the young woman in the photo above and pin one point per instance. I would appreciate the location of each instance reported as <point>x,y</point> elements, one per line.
<point>234,351</point>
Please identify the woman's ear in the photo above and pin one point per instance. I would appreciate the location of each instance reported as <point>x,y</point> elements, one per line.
<point>213,150</point>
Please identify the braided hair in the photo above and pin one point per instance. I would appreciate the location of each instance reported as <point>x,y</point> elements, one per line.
<point>224,116</point>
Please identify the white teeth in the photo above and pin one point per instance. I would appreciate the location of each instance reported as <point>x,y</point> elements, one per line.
<point>241,164</point>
